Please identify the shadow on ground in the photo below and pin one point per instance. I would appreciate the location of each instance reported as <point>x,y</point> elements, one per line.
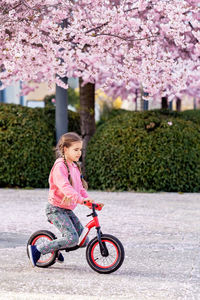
<point>12,239</point>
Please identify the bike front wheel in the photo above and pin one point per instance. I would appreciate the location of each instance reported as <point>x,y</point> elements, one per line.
<point>109,263</point>
<point>39,238</point>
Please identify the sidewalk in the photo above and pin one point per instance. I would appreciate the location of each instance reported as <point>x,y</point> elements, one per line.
<point>160,233</point>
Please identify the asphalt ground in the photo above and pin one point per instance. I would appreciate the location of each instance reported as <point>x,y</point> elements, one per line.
<point>160,233</point>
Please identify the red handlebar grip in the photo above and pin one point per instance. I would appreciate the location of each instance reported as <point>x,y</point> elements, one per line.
<point>89,204</point>
<point>98,207</point>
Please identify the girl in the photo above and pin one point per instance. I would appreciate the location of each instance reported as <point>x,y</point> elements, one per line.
<point>67,189</point>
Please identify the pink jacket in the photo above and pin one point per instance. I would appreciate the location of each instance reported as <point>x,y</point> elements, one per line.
<point>60,187</point>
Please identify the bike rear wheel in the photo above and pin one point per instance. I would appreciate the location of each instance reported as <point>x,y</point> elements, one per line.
<point>42,237</point>
<point>105,264</point>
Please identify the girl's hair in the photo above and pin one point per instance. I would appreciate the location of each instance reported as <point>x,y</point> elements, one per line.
<point>66,140</point>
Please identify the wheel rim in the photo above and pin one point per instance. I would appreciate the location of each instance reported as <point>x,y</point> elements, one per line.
<point>42,240</point>
<point>101,261</point>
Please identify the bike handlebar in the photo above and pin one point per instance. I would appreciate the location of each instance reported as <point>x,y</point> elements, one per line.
<point>97,206</point>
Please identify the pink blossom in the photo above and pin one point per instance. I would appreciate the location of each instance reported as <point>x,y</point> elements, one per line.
<point>120,47</point>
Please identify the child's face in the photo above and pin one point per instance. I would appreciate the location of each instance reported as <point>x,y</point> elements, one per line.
<point>73,153</point>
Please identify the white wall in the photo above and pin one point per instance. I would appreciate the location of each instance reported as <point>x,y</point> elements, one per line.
<point>12,93</point>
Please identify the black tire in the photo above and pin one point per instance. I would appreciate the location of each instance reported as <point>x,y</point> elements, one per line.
<point>39,237</point>
<point>107,264</point>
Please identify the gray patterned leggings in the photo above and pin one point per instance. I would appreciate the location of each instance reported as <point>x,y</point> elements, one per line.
<point>68,224</point>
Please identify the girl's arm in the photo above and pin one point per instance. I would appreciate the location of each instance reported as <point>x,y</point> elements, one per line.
<point>83,192</point>
<point>60,178</point>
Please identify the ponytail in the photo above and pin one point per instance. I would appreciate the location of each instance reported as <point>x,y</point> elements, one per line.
<point>84,183</point>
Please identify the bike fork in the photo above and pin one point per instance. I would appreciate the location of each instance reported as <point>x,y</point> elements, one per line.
<point>102,245</point>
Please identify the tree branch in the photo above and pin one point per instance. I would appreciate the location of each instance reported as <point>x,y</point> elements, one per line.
<point>126,38</point>
<point>96,28</point>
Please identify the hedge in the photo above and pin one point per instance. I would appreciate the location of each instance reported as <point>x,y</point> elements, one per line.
<point>189,115</point>
<point>109,114</point>
<point>192,115</point>
<point>149,151</point>
<point>27,141</point>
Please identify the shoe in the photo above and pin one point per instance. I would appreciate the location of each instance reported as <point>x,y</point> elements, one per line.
<point>34,255</point>
<point>60,258</point>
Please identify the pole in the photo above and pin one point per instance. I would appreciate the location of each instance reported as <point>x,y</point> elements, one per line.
<point>61,102</point>
<point>61,110</point>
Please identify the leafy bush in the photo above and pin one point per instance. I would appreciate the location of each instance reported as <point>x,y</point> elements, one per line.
<point>145,151</point>
<point>73,120</point>
<point>109,114</point>
<point>189,115</point>
<point>27,141</point>
<point>192,115</point>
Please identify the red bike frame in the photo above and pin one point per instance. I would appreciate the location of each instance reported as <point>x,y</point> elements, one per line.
<point>91,224</point>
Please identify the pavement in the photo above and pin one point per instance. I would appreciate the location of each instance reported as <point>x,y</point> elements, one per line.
<point>160,233</point>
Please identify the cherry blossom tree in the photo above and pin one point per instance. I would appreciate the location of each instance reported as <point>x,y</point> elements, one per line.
<point>119,45</point>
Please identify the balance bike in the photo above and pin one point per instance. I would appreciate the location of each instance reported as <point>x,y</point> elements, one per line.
<point>104,253</point>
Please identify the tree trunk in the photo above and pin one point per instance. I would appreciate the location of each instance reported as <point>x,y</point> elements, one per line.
<point>164,103</point>
<point>178,104</point>
<point>61,111</point>
<point>87,115</point>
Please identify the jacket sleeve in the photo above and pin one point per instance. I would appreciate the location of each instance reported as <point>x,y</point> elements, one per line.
<point>83,192</point>
<point>60,178</point>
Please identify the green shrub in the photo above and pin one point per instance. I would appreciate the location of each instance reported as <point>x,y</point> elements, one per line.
<point>108,114</point>
<point>142,151</point>
<point>189,115</point>
<point>27,141</point>
<point>73,119</point>
<point>192,115</point>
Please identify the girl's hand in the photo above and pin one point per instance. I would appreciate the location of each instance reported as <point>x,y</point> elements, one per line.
<point>67,201</point>
<point>89,200</point>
